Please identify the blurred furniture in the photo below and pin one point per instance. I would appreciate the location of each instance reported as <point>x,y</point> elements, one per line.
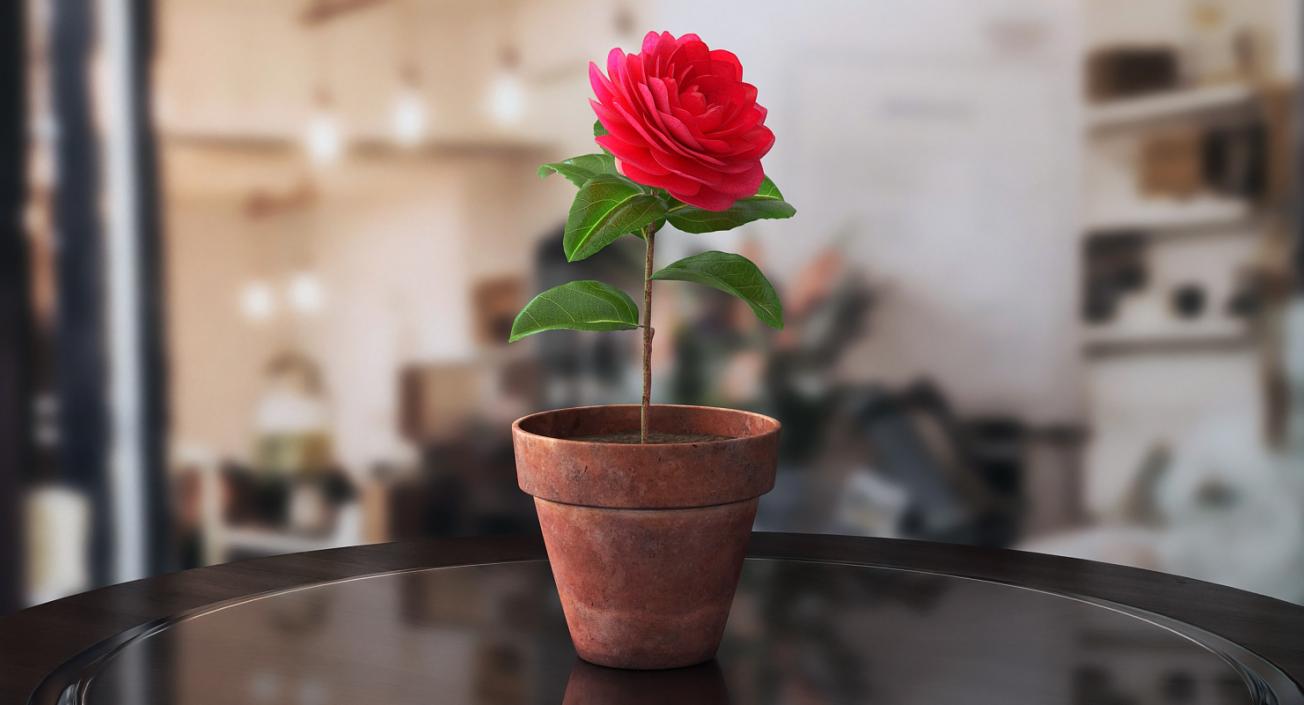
<point>1187,206</point>
<point>1171,164</point>
<point>290,496</point>
<point>1129,71</point>
<point>463,486</point>
<point>438,401</point>
<point>964,480</point>
<point>57,529</point>
<point>577,368</point>
<point>241,515</point>
<point>495,302</point>
<point>1187,216</point>
<point>816,619</point>
<point>456,415</point>
<point>1215,505</point>
<point>900,462</point>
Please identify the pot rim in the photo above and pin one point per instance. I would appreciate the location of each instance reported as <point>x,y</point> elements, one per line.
<point>645,475</point>
<point>773,426</point>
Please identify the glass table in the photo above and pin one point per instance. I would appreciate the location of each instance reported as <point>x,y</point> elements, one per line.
<point>803,630</point>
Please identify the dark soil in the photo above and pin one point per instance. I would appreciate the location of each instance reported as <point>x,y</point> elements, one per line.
<point>631,438</point>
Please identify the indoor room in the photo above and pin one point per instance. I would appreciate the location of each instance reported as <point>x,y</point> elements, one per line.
<point>1036,269</point>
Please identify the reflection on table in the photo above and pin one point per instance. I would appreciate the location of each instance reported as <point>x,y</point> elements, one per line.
<point>800,632</point>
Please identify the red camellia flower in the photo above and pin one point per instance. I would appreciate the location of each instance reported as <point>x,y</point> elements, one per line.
<point>679,117</point>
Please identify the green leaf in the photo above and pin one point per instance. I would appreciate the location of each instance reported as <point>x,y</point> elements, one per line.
<point>578,305</point>
<point>732,274</point>
<point>768,190</point>
<point>767,203</point>
<point>607,207</point>
<point>598,131</point>
<point>578,170</point>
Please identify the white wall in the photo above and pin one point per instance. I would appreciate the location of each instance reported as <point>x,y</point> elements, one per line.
<point>938,137</point>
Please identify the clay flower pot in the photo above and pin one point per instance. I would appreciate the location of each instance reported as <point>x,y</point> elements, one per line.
<point>646,541</point>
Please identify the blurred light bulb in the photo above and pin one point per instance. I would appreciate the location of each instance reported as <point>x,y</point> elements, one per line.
<point>409,117</point>
<point>506,99</point>
<point>323,140</point>
<point>257,302</point>
<point>306,294</point>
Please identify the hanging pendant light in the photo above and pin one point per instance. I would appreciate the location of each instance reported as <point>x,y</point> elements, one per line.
<point>257,301</point>
<point>506,97</point>
<point>305,294</point>
<point>323,140</point>
<point>409,118</point>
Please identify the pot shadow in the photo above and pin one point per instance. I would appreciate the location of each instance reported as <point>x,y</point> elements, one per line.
<point>703,684</point>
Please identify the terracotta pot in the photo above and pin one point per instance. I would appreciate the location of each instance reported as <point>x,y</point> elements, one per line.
<point>646,541</point>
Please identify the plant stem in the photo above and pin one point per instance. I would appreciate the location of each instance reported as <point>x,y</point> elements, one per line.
<point>649,234</point>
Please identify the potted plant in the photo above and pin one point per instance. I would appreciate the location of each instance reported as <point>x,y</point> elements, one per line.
<point>646,509</point>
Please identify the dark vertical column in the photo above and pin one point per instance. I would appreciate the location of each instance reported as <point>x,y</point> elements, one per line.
<point>81,368</point>
<point>1297,177</point>
<point>150,312</point>
<point>153,344</point>
<point>15,307</point>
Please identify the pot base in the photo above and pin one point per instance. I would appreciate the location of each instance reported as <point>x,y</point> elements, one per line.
<point>646,588</point>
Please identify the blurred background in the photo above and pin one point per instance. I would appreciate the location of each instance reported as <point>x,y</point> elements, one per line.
<point>260,258</point>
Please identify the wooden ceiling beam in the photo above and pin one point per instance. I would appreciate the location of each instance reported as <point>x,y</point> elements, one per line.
<point>319,12</point>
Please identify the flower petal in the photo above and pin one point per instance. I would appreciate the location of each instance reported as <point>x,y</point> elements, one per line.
<point>678,116</point>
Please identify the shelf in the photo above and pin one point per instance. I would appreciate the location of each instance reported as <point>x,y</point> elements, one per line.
<point>1167,106</point>
<point>1178,338</point>
<point>1209,213</point>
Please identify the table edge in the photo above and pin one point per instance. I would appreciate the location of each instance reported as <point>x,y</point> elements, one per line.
<point>39,641</point>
